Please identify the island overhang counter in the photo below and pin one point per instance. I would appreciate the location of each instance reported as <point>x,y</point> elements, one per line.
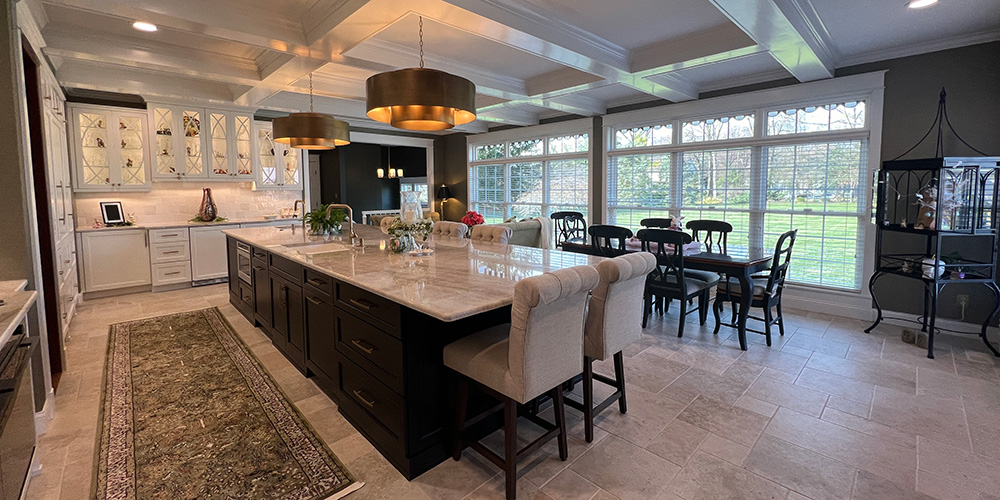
<point>370,325</point>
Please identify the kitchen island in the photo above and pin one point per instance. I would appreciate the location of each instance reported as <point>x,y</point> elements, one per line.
<point>370,325</point>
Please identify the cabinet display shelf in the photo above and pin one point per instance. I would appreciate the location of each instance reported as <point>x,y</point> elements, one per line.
<point>958,197</point>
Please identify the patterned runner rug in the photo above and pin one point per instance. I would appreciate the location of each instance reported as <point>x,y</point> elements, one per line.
<point>188,412</point>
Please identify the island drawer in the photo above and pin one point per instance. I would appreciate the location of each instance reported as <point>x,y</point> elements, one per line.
<point>321,283</point>
<point>372,349</point>
<point>375,309</point>
<point>259,253</point>
<point>286,268</point>
<point>164,235</point>
<point>373,397</point>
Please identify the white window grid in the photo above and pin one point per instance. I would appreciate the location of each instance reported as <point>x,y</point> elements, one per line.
<point>508,190</point>
<point>753,216</point>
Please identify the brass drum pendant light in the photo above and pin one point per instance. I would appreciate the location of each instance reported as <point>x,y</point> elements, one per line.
<point>311,130</point>
<point>420,98</point>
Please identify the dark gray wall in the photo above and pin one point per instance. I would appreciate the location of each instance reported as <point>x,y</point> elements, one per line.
<point>347,175</point>
<point>450,169</point>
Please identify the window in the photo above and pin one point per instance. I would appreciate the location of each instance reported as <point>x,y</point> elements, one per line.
<point>530,177</point>
<point>807,169</point>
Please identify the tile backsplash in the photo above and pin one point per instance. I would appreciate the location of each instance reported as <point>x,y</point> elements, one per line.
<point>179,202</point>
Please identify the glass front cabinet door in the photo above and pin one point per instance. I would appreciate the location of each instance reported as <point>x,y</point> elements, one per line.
<point>278,165</point>
<point>231,145</point>
<point>179,142</point>
<point>110,148</point>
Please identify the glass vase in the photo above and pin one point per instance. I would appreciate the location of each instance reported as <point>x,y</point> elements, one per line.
<point>410,210</point>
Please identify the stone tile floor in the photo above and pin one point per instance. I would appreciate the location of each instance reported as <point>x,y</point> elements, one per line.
<point>828,412</point>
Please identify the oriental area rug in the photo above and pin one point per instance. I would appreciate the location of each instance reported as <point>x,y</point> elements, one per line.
<point>187,411</point>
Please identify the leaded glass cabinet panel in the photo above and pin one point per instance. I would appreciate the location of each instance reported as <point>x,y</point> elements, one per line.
<point>219,143</point>
<point>110,149</point>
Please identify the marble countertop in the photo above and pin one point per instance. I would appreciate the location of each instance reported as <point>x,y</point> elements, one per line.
<point>16,305</point>
<point>165,225</point>
<point>459,280</point>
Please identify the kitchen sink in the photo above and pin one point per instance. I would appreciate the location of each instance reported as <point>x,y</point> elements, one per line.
<point>318,247</point>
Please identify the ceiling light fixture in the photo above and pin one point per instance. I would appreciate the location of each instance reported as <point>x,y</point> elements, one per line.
<point>311,130</point>
<point>420,98</point>
<point>920,4</point>
<point>144,26</point>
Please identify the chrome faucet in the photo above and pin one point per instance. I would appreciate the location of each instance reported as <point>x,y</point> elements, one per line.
<point>350,220</point>
<point>301,214</point>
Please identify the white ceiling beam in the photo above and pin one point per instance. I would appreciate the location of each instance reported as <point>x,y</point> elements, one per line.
<point>509,116</point>
<point>801,52</point>
<point>714,44</point>
<point>150,85</point>
<point>174,60</point>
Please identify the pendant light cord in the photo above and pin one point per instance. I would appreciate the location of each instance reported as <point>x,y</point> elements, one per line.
<point>421,34</point>
<point>310,92</point>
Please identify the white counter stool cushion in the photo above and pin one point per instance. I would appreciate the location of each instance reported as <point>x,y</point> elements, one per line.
<point>614,320</point>
<point>450,229</point>
<point>491,234</point>
<point>540,348</point>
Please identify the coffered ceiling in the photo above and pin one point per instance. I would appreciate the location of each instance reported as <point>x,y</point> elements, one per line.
<point>530,59</point>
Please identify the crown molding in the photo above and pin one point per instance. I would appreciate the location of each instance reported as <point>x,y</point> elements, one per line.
<point>935,45</point>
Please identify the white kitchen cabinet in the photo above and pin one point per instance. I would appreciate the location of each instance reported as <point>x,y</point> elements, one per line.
<point>114,258</point>
<point>170,258</point>
<point>179,142</point>
<point>110,148</point>
<point>198,143</point>
<point>279,166</point>
<point>209,257</point>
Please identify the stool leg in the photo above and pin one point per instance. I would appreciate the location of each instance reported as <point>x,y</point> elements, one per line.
<point>510,445</point>
<point>588,398</point>
<point>620,379</point>
<point>461,406</point>
<point>560,413</point>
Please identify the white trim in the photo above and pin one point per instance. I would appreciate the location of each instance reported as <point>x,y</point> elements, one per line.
<point>846,87</point>
<point>579,125</point>
<point>931,45</point>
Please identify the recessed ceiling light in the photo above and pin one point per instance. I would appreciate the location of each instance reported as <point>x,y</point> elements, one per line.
<point>920,4</point>
<point>150,27</point>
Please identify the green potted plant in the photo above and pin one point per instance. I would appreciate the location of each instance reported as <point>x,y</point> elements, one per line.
<point>320,224</point>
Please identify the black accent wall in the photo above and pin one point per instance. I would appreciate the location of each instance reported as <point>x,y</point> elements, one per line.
<point>348,175</point>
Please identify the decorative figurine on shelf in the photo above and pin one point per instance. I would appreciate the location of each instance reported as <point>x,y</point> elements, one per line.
<point>208,211</point>
<point>100,142</point>
<point>121,125</point>
<point>191,126</point>
<point>164,153</point>
<point>902,223</point>
<point>907,267</point>
<point>128,163</point>
<point>927,202</point>
<point>100,123</point>
<point>189,151</point>
<point>931,266</point>
<point>123,144</point>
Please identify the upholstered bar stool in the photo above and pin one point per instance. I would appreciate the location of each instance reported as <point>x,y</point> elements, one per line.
<point>447,229</point>
<point>539,349</point>
<point>614,320</point>
<point>491,234</point>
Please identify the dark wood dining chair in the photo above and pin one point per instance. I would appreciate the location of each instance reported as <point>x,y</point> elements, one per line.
<point>608,241</point>
<point>714,234</point>
<point>766,289</point>
<point>669,281</point>
<point>657,222</point>
<point>569,226</point>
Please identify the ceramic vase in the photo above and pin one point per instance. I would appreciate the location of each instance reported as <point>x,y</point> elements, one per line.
<point>207,212</point>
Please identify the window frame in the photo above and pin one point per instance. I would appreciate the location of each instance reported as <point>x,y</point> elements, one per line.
<point>544,133</point>
<point>867,88</point>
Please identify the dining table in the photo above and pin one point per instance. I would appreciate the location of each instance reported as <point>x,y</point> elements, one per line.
<point>740,263</point>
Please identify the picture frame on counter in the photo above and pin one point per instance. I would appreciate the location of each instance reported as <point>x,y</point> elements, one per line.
<point>112,212</point>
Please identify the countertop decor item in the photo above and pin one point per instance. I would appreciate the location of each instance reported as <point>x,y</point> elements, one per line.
<point>410,210</point>
<point>208,212</point>
<point>404,236</point>
<point>420,98</point>
<point>472,218</point>
<point>112,212</point>
<point>197,218</point>
<point>274,453</point>
<point>311,130</point>
<point>320,225</point>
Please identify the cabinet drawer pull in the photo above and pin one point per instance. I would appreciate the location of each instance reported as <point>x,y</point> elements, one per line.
<point>172,251</point>
<point>169,235</point>
<point>315,282</point>
<point>362,303</point>
<point>360,344</point>
<point>313,300</point>
<point>171,274</point>
<point>365,401</point>
<point>60,273</point>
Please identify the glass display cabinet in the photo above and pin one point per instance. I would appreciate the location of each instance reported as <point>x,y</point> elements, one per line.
<point>952,203</point>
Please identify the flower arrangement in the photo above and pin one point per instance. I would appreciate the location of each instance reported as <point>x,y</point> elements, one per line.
<point>472,218</point>
<point>402,235</point>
